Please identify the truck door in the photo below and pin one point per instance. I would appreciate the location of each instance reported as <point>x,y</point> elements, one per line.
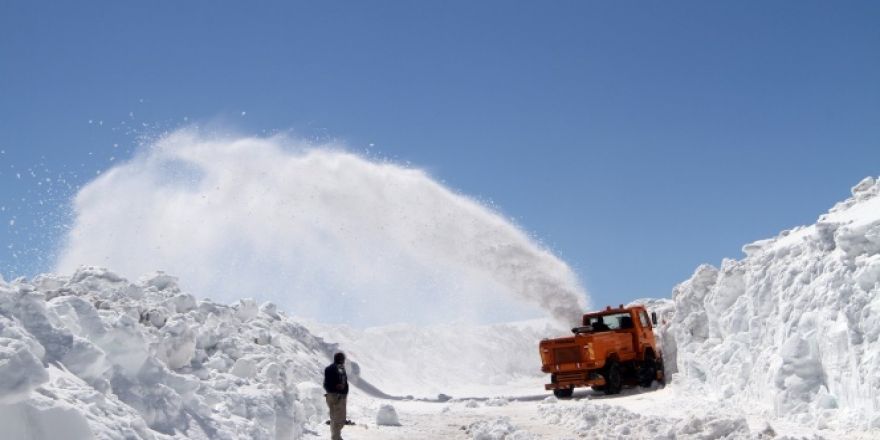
<point>645,334</point>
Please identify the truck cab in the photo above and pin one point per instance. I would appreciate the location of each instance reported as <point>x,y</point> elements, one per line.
<point>611,347</point>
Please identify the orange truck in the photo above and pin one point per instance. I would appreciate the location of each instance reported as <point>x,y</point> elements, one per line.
<point>612,347</point>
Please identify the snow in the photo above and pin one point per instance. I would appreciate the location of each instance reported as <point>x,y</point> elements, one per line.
<point>387,416</point>
<point>595,420</point>
<point>320,231</point>
<point>456,360</point>
<point>21,371</point>
<point>95,356</point>
<point>782,344</point>
<point>496,429</point>
<point>792,329</point>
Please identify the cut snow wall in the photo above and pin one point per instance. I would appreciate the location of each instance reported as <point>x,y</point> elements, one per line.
<point>795,323</point>
<point>93,356</point>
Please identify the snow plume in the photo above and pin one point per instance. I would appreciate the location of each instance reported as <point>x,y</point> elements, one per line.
<point>457,360</point>
<point>322,232</point>
<point>796,323</point>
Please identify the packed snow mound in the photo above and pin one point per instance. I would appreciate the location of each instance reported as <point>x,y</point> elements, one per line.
<point>497,429</point>
<point>795,323</point>
<point>94,356</point>
<point>387,416</point>
<point>457,360</point>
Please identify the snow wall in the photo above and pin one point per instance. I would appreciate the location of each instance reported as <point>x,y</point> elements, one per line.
<point>322,232</point>
<point>93,356</point>
<point>793,325</point>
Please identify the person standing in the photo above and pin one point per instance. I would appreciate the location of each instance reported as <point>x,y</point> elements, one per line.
<point>336,386</point>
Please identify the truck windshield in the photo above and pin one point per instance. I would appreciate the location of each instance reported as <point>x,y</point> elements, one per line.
<point>614,321</point>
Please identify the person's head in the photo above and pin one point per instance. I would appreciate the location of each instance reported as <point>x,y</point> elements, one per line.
<point>339,358</point>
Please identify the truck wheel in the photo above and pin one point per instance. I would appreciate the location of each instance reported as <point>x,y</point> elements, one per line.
<point>613,379</point>
<point>563,393</point>
<point>647,371</point>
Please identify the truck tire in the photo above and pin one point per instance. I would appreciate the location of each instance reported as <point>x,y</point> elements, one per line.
<point>563,393</point>
<point>613,379</point>
<point>647,371</point>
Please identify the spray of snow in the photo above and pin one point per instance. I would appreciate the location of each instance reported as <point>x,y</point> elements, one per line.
<point>795,325</point>
<point>322,232</point>
<point>456,360</point>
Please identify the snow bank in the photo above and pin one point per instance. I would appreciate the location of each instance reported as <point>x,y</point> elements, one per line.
<point>794,326</point>
<point>93,356</point>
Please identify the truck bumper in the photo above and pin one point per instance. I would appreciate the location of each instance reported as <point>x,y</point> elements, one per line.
<point>576,379</point>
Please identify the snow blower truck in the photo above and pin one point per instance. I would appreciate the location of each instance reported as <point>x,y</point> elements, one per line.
<point>612,347</point>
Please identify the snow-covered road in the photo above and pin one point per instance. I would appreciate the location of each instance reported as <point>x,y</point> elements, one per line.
<point>662,413</point>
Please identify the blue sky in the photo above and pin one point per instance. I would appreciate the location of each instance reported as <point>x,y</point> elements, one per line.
<point>637,140</point>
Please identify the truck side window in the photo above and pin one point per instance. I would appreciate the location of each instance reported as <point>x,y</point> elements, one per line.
<point>643,319</point>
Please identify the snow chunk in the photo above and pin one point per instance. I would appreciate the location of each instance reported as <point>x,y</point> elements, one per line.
<point>244,368</point>
<point>865,189</point>
<point>497,401</point>
<point>246,309</point>
<point>387,416</point>
<point>20,371</point>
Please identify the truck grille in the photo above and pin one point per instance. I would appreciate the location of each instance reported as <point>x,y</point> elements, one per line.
<point>567,355</point>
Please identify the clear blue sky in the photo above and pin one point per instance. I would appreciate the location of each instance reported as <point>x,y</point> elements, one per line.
<point>637,140</point>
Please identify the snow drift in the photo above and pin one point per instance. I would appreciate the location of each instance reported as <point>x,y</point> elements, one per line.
<point>321,232</point>
<point>794,325</point>
<point>93,356</point>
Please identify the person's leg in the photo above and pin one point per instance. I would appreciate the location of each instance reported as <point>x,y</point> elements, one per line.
<point>343,408</point>
<point>336,431</point>
<point>336,423</point>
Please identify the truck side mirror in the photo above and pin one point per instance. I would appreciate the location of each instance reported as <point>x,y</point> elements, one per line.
<point>654,318</point>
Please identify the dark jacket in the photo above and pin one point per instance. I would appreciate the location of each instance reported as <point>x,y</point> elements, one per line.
<point>332,377</point>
